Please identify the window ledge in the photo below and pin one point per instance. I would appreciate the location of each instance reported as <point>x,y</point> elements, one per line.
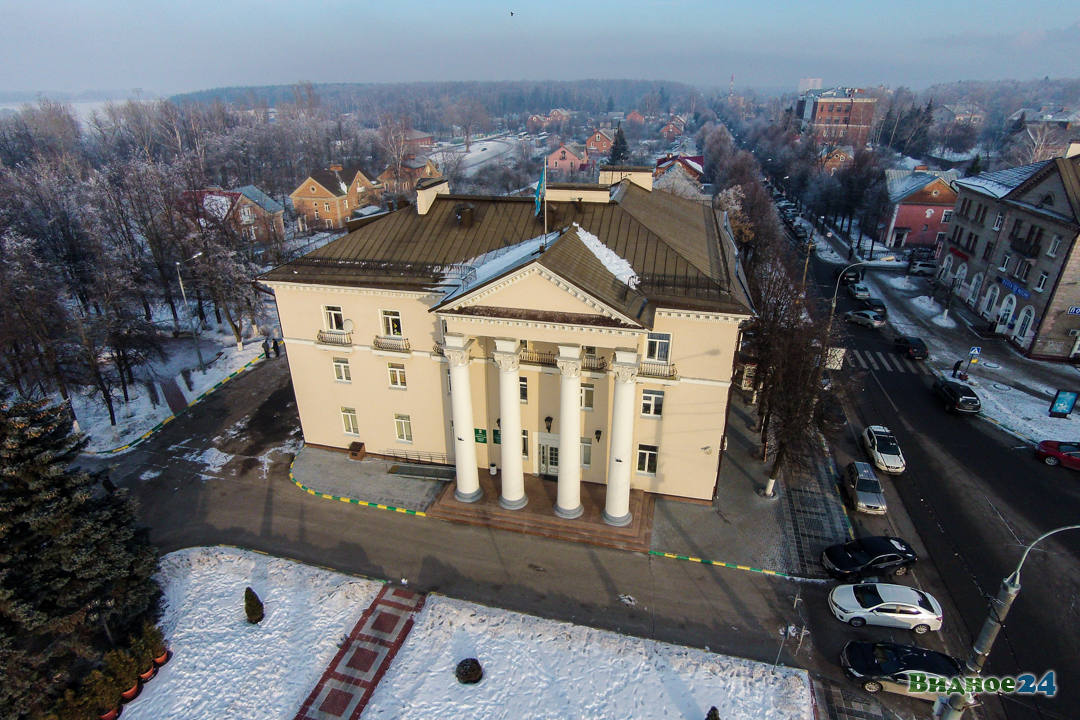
<point>646,474</point>
<point>404,442</point>
<point>651,416</point>
<point>398,387</point>
<point>343,382</point>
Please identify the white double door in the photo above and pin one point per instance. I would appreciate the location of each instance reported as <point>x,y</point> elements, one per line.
<point>547,455</point>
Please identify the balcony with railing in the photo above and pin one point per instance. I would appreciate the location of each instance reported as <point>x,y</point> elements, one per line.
<point>657,369</point>
<point>391,343</point>
<point>594,362</point>
<point>538,357</point>
<point>335,338</point>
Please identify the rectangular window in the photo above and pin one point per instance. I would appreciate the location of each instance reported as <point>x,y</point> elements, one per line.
<point>646,459</point>
<point>658,347</point>
<point>397,374</point>
<point>403,428</point>
<point>586,452</point>
<point>316,206</point>
<point>946,216</point>
<point>1017,224</point>
<point>1055,245</point>
<point>988,251</point>
<point>326,206</point>
<point>999,220</point>
<point>1022,270</point>
<point>940,238</point>
<point>524,443</point>
<point>341,370</point>
<point>523,389</point>
<point>391,323</point>
<point>1041,285</point>
<point>590,350</point>
<point>588,392</point>
<point>652,402</point>
<point>349,421</point>
<point>1004,267</point>
<point>333,318</point>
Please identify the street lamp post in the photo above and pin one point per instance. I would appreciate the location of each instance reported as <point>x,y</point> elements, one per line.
<point>191,318</point>
<point>999,608</point>
<point>836,289</point>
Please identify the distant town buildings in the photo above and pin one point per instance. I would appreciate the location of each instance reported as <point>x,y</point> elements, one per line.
<point>806,84</point>
<point>567,159</point>
<point>839,116</point>
<point>326,198</point>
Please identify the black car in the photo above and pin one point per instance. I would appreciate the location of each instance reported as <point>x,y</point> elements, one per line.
<point>958,397</point>
<point>888,666</point>
<point>850,276</point>
<point>911,346</point>
<point>874,304</point>
<point>868,556</point>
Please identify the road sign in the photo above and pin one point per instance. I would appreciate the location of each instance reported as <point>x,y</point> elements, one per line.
<point>1074,310</point>
<point>975,351</point>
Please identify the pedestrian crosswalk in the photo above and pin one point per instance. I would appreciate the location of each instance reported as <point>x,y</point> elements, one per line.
<point>877,360</point>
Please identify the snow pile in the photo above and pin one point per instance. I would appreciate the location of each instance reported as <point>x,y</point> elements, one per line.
<point>1023,413</point>
<point>903,282</point>
<point>495,263</point>
<point>943,320</point>
<point>539,668</point>
<point>615,263</point>
<point>926,305</point>
<point>825,253</point>
<point>211,459</point>
<point>224,667</point>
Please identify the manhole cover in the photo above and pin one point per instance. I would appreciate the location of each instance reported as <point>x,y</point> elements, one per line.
<point>991,365</point>
<point>999,386</point>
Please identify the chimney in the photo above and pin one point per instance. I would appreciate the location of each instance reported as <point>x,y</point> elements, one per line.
<point>427,189</point>
<point>336,167</point>
<point>464,214</point>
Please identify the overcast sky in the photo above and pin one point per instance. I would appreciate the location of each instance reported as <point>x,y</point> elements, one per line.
<point>169,47</point>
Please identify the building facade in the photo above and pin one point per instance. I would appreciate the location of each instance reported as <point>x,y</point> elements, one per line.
<point>566,160</point>
<point>600,142</point>
<point>840,116</point>
<point>922,207</point>
<point>457,331</point>
<point>1012,254</point>
<point>327,198</point>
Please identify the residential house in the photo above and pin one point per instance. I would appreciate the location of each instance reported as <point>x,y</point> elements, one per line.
<point>418,141</point>
<point>1013,254</point>
<point>673,128</point>
<point>1052,118</point>
<point>326,198</point>
<point>600,142</point>
<point>413,168</point>
<point>835,158</point>
<point>959,113</point>
<point>456,331</point>
<point>922,203</point>
<point>635,117</point>
<point>248,211</point>
<point>567,160</point>
<point>839,116</point>
<point>692,165</point>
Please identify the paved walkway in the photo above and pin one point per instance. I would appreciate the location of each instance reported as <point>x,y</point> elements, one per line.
<point>346,687</point>
<point>173,396</point>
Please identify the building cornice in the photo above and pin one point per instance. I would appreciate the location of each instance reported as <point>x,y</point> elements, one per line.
<point>541,325</point>
<point>346,290</point>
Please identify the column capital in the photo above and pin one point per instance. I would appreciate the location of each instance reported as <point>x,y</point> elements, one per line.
<point>624,373</point>
<point>569,368</point>
<point>458,357</point>
<point>507,362</point>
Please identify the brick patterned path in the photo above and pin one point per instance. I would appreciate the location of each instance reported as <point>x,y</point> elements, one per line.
<point>347,685</point>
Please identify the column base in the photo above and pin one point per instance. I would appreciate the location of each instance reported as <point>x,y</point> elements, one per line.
<point>569,514</point>
<point>468,497</point>
<point>513,504</point>
<point>621,521</point>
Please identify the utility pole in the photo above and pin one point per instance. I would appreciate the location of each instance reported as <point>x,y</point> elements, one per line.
<point>191,318</point>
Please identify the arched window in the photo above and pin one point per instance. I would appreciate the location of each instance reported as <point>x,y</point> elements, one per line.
<point>1024,321</point>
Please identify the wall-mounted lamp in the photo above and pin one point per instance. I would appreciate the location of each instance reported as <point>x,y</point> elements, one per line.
<point>547,423</point>
<point>498,422</point>
<point>597,434</point>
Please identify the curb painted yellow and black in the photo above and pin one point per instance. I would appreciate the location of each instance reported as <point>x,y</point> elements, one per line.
<point>717,563</point>
<point>199,398</point>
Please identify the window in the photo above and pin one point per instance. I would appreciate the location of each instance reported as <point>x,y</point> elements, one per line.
<point>348,419</point>
<point>590,351</point>
<point>333,317</point>
<point>1005,262</point>
<point>341,370</point>
<point>346,203</point>
<point>999,220</point>
<point>652,402</point>
<point>586,452</point>
<point>326,206</point>
<point>312,188</point>
<point>658,347</point>
<point>1017,224</point>
<point>524,443</point>
<point>523,388</point>
<point>925,227</point>
<point>316,207</point>
<point>391,323</point>
<point>1041,285</point>
<point>397,374</point>
<point>403,428</point>
<point>946,216</point>
<point>940,238</point>
<point>1022,270</point>
<point>246,215</point>
<point>646,459</point>
<point>588,392</point>
<point>1055,245</point>
<point>988,251</point>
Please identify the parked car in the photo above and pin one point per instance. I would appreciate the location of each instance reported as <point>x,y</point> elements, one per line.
<point>911,347</point>
<point>863,489</point>
<point>883,449</point>
<point>858,291</point>
<point>888,666</point>
<point>866,318</point>
<point>869,303</point>
<point>868,556</point>
<point>958,397</point>
<point>848,275</point>
<point>887,605</point>
<point>801,232</point>
<point>922,267</point>
<point>1057,452</point>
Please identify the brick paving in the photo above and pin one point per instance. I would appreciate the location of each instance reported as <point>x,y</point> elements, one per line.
<point>347,684</point>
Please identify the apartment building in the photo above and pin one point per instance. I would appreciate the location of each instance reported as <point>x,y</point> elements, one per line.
<point>839,116</point>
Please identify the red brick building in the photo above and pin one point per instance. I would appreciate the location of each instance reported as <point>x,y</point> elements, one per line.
<point>837,116</point>
<point>600,142</point>
<point>922,207</point>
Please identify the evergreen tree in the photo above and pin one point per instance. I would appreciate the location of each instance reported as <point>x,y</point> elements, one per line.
<point>253,606</point>
<point>75,574</point>
<point>975,167</point>
<point>620,151</point>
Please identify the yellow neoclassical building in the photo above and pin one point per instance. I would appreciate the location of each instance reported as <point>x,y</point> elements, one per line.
<point>458,331</point>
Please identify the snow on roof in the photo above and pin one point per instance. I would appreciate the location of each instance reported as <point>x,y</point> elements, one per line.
<point>480,269</point>
<point>615,263</point>
<point>999,183</point>
<point>902,183</point>
<point>217,206</point>
<point>260,198</point>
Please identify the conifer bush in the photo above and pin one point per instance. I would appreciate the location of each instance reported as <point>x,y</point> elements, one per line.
<point>253,606</point>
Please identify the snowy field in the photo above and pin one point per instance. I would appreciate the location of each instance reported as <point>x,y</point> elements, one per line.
<point>224,667</point>
<point>537,668</point>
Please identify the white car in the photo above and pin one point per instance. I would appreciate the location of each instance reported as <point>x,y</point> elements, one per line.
<point>883,450</point>
<point>859,291</point>
<point>887,605</point>
<point>866,318</point>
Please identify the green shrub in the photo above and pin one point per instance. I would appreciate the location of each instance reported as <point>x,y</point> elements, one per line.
<point>100,693</point>
<point>122,666</point>
<point>153,639</point>
<point>253,606</point>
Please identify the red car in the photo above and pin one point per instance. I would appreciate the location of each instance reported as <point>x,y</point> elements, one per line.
<point>1058,452</point>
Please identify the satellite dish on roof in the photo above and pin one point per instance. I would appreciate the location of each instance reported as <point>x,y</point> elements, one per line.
<point>348,325</point>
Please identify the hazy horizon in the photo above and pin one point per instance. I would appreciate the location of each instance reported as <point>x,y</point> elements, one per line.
<point>169,49</point>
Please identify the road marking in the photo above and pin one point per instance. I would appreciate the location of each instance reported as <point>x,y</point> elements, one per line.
<point>910,364</point>
<point>884,361</point>
<point>870,359</point>
<point>882,388</point>
<point>855,354</point>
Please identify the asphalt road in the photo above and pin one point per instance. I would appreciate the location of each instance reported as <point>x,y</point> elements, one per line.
<point>975,496</point>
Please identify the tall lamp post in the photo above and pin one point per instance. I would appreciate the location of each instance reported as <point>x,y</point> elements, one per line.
<point>999,608</point>
<point>191,318</point>
<point>836,289</point>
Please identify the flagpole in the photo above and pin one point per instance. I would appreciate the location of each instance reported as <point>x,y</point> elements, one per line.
<point>543,179</point>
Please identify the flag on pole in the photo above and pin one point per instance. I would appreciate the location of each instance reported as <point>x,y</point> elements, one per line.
<point>541,188</point>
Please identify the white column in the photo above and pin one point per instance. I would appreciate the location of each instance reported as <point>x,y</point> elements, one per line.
<point>620,454</point>
<point>568,502</point>
<point>468,478</point>
<point>512,494</point>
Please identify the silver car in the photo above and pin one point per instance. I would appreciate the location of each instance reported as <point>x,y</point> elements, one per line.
<point>885,604</point>
<point>866,318</point>
<point>863,489</point>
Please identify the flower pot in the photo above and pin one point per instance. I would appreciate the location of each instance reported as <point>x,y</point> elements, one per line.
<point>111,715</point>
<point>131,693</point>
<point>149,674</point>
<point>163,658</point>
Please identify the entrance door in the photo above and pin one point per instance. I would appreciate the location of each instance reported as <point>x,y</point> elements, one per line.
<point>548,459</point>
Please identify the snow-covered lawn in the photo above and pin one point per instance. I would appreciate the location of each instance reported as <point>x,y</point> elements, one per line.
<point>224,667</point>
<point>1023,413</point>
<point>826,254</point>
<point>538,668</point>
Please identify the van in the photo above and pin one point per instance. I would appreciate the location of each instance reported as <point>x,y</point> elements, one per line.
<point>922,267</point>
